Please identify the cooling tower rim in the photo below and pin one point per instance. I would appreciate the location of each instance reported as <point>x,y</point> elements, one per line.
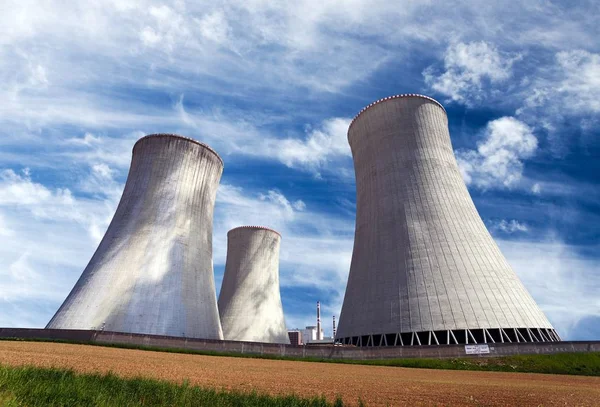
<point>255,228</point>
<point>173,135</point>
<point>402,95</point>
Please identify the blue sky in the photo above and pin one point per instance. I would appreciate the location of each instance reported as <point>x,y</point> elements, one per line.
<point>272,87</point>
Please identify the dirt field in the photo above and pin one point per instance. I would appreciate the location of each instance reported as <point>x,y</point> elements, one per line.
<point>376,385</point>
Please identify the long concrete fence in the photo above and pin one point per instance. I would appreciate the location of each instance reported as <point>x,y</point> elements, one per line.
<point>308,351</point>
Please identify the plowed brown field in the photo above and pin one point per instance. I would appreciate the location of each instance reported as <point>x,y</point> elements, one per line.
<point>375,385</point>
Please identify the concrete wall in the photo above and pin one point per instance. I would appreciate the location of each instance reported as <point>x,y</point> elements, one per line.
<point>325,352</point>
<point>423,259</point>
<point>152,272</point>
<point>250,300</point>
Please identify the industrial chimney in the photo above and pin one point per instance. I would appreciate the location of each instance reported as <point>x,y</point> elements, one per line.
<point>152,272</point>
<point>319,336</point>
<point>424,268</point>
<point>250,300</point>
<point>334,329</point>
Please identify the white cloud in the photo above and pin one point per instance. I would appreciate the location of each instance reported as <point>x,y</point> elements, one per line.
<point>581,82</point>
<point>469,69</point>
<point>552,95</point>
<point>561,186</point>
<point>149,36</point>
<point>320,147</point>
<point>498,160</point>
<point>280,200</point>
<point>18,189</point>
<point>285,52</point>
<point>102,170</point>
<point>509,226</point>
<point>169,28</point>
<point>87,140</point>
<point>235,208</point>
<point>299,205</point>
<point>5,230</point>
<point>571,85</point>
<point>19,194</point>
<point>41,262</point>
<point>274,45</point>
<point>214,27</point>
<point>315,151</point>
<point>563,95</point>
<point>315,45</point>
<point>102,153</point>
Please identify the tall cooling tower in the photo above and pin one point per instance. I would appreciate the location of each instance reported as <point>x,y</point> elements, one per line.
<point>152,272</point>
<point>424,268</point>
<point>250,300</point>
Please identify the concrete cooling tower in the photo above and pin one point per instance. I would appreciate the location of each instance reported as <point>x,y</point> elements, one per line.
<point>250,300</point>
<point>152,272</point>
<point>424,268</point>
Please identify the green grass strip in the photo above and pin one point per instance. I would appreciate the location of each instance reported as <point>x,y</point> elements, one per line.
<point>574,363</point>
<point>32,386</point>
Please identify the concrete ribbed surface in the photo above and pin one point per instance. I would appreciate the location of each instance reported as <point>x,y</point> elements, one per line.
<point>250,301</point>
<point>152,272</point>
<point>423,259</point>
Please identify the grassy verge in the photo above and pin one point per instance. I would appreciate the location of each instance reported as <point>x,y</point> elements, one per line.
<point>31,386</point>
<point>582,363</point>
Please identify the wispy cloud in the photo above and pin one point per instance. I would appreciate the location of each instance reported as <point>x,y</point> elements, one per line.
<point>469,69</point>
<point>322,146</point>
<point>563,99</point>
<point>573,81</point>
<point>508,226</point>
<point>313,151</point>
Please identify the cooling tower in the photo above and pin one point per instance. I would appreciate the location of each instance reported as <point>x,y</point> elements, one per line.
<point>424,268</point>
<point>250,301</point>
<point>152,272</point>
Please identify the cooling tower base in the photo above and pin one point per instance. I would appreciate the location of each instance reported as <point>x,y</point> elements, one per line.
<point>455,337</point>
<point>331,352</point>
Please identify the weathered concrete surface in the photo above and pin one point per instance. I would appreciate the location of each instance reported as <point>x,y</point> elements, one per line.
<point>423,259</point>
<point>325,352</point>
<point>152,272</point>
<point>250,300</point>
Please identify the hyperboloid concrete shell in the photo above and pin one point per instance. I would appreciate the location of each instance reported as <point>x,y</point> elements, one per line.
<point>424,268</point>
<point>250,300</point>
<point>152,272</point>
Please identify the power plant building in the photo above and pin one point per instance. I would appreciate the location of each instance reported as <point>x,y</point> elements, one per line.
<point>250,301</point>
<point>152,272</point>
<point>424,269</point>
<point>295,337</point>
<point>312,333</point>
